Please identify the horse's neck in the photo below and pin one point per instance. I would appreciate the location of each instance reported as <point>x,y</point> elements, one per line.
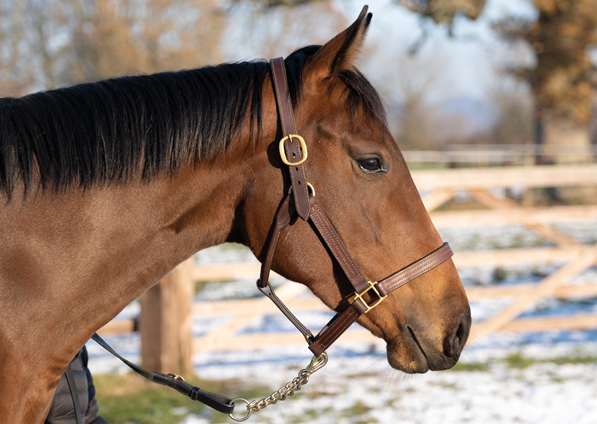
<point>75,260</point>
<point>71,262</point>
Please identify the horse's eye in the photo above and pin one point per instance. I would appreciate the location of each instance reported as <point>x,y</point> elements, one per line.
<point>371,165</point>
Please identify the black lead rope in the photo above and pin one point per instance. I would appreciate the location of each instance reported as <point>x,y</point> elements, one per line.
<point>215,401</point>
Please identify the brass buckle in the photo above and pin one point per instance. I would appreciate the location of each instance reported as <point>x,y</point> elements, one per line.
<point>359,296</point>
<point>176,377</point>
<point>301,141</point>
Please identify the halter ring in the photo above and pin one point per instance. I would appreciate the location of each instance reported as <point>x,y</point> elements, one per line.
<point>246,417</point>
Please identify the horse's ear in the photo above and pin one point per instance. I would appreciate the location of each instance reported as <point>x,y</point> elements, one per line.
<point>338,53</point>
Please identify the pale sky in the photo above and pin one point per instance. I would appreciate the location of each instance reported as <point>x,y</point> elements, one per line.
<point>467,62</point>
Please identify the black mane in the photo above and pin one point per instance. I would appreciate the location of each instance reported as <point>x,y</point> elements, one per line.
<point>113,130</point>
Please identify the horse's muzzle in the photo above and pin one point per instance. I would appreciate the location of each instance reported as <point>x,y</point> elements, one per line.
<point>419,350</point>
<point>447,356</point>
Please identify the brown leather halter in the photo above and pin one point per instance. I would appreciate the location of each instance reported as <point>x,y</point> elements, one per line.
<point>293,152</point>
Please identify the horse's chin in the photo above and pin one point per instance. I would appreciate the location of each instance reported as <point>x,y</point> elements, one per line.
<point>409,359</point>
<point>415,357</point>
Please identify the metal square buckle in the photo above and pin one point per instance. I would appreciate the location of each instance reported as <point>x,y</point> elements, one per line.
<point>359,296</point>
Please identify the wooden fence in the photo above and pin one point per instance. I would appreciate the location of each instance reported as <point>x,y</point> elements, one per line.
<point>455,155</point>
<point>165,320</point>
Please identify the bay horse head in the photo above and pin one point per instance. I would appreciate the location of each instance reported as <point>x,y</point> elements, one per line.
<point>106,187</point>
<point>364,186</point>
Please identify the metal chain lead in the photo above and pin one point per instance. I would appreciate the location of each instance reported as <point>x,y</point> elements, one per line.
<point>289,389</point>
<point>294,386</point>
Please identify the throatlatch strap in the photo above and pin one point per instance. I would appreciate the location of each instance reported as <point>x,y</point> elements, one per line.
<point>281,221</point>
<point>217,402</point>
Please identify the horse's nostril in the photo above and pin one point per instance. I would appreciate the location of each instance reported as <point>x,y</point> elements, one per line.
<point>459,334</point>
<point>455,341</point>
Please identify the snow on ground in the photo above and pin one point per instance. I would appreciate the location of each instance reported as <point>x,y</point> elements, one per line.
<point>358,386</point>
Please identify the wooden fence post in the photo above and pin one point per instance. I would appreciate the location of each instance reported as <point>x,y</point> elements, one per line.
<point>165,323</point>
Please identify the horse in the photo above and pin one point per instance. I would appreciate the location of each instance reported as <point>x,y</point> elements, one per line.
<point>107,186</point>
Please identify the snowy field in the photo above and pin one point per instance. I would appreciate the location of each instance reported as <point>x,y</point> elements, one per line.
<point>504,378</point>
<point>357,385</point>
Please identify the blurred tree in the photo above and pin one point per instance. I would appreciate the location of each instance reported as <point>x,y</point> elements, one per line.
<point>15,72</point>
<point>276,3</point>
<point>286,25</point>
<point>514,123</point>
<point>49,43</point>
<point>444,11</point>
<point>412,88</point>
<point>564,77</point>
<point>117,37</point>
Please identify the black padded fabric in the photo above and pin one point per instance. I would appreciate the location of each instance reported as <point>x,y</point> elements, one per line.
<point>62,410</point>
